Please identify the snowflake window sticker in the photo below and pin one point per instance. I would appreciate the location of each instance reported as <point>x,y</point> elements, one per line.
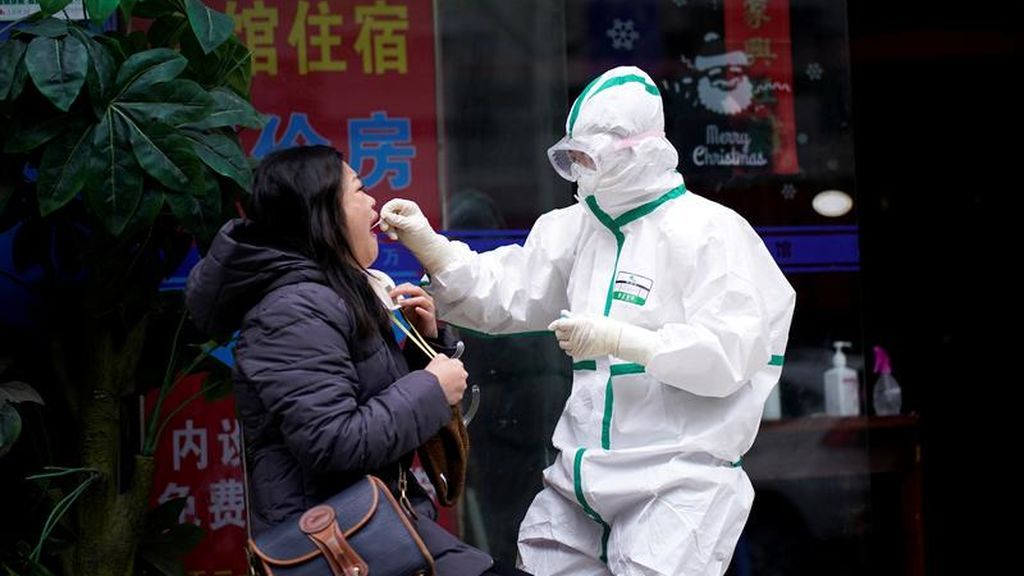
<point>788,191</point>
<point>814,71</point>
<point>623,34</point>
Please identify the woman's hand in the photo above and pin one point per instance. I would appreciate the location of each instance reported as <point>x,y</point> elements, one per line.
<point>451,376</point>
<point>418,307</point>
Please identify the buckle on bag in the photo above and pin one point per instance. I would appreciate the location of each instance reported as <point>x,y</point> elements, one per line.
<point>320,524</point>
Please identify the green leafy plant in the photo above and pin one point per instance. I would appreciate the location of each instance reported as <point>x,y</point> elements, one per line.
<point>12,392</point>
<point>118,151</point>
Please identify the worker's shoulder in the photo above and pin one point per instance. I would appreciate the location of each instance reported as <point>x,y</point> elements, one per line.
<point>561,216</point>
<point>693,206</point>
<point>692,217</point>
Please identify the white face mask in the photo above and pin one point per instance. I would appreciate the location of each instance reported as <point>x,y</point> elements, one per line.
<point>586,180</point>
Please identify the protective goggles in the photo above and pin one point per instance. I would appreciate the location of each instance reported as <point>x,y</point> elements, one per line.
<point>570,157</point>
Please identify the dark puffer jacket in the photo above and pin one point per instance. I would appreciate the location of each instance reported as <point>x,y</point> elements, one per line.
<point>319,406</point>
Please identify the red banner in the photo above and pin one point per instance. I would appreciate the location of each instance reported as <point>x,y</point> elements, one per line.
<point>359,75</point>
<point>199,458</point>
<point>760,29</point>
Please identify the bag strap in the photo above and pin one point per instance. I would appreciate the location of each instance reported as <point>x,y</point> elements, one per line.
<point>253,571</point>
<point>403,496</point>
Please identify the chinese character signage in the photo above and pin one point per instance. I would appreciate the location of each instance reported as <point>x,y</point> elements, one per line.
<point>358,75</point>
<point>199,459</point>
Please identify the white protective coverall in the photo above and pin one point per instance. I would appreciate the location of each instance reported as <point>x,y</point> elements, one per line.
<point>648,479</point>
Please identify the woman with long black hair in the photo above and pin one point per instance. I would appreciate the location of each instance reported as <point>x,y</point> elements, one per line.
<point>324,393</point>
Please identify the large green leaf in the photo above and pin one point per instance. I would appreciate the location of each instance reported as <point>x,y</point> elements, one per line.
<point>236,67</point>
<point>11,53</point>
<point>20,77</point>
<point>229,110</point>
<point>223,155</point>
<point>165,540</point>
<point>162,152</point>
<point>48,27</point>
<point>115,180</point>
<point>100,77</point>
<point>143,218</point>
<point>63,169</point>
<point>100,10</point>
<point>25,139</point>
<point>10,427</point>
<point>52,6</point>
<point>116,44</point>
<point>15,392</point>
<point>167,30</point>
<point>128,7</point>
<point>155,8</point>
<point>150,67</point>
<point>174,102</point>
<point>229,65</point>
<point>211,27</point>
<point>199,209</point>
<point>58,68</point>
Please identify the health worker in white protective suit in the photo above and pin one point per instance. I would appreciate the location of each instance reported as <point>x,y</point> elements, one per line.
<point>676,317</point>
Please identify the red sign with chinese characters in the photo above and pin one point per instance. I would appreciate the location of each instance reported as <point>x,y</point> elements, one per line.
<point>358,75</point>
<point>198,458</point>
<point>760,28</point>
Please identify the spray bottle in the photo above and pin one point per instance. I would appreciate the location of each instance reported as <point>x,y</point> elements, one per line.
<point>842,396</point>
<point>888,397</point>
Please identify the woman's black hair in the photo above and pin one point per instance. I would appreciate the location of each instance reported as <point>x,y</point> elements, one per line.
<point>295,199</point>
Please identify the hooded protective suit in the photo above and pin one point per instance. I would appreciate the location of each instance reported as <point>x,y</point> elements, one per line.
<point>678,323</point>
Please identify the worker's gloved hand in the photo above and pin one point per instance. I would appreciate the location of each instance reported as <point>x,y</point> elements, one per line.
<point>403,220</point>
<point>585,336</point>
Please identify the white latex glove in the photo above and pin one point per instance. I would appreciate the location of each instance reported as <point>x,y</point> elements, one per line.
<point>585,336</point>
<point>403,220</point>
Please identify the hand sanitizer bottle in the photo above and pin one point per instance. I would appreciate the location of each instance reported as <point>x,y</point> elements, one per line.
<point>773,405</point>
<point>888,397</point>
<point>842,397</point>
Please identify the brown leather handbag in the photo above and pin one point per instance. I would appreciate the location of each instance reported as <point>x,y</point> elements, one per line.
<point>445,457</point>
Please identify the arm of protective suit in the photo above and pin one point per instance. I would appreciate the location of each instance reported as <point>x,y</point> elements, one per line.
<point>511,289</point>
<point>300,366</point>
<point>739,306</point>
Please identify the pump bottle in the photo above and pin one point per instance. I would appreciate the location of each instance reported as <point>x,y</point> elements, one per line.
<point>842,397</point>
